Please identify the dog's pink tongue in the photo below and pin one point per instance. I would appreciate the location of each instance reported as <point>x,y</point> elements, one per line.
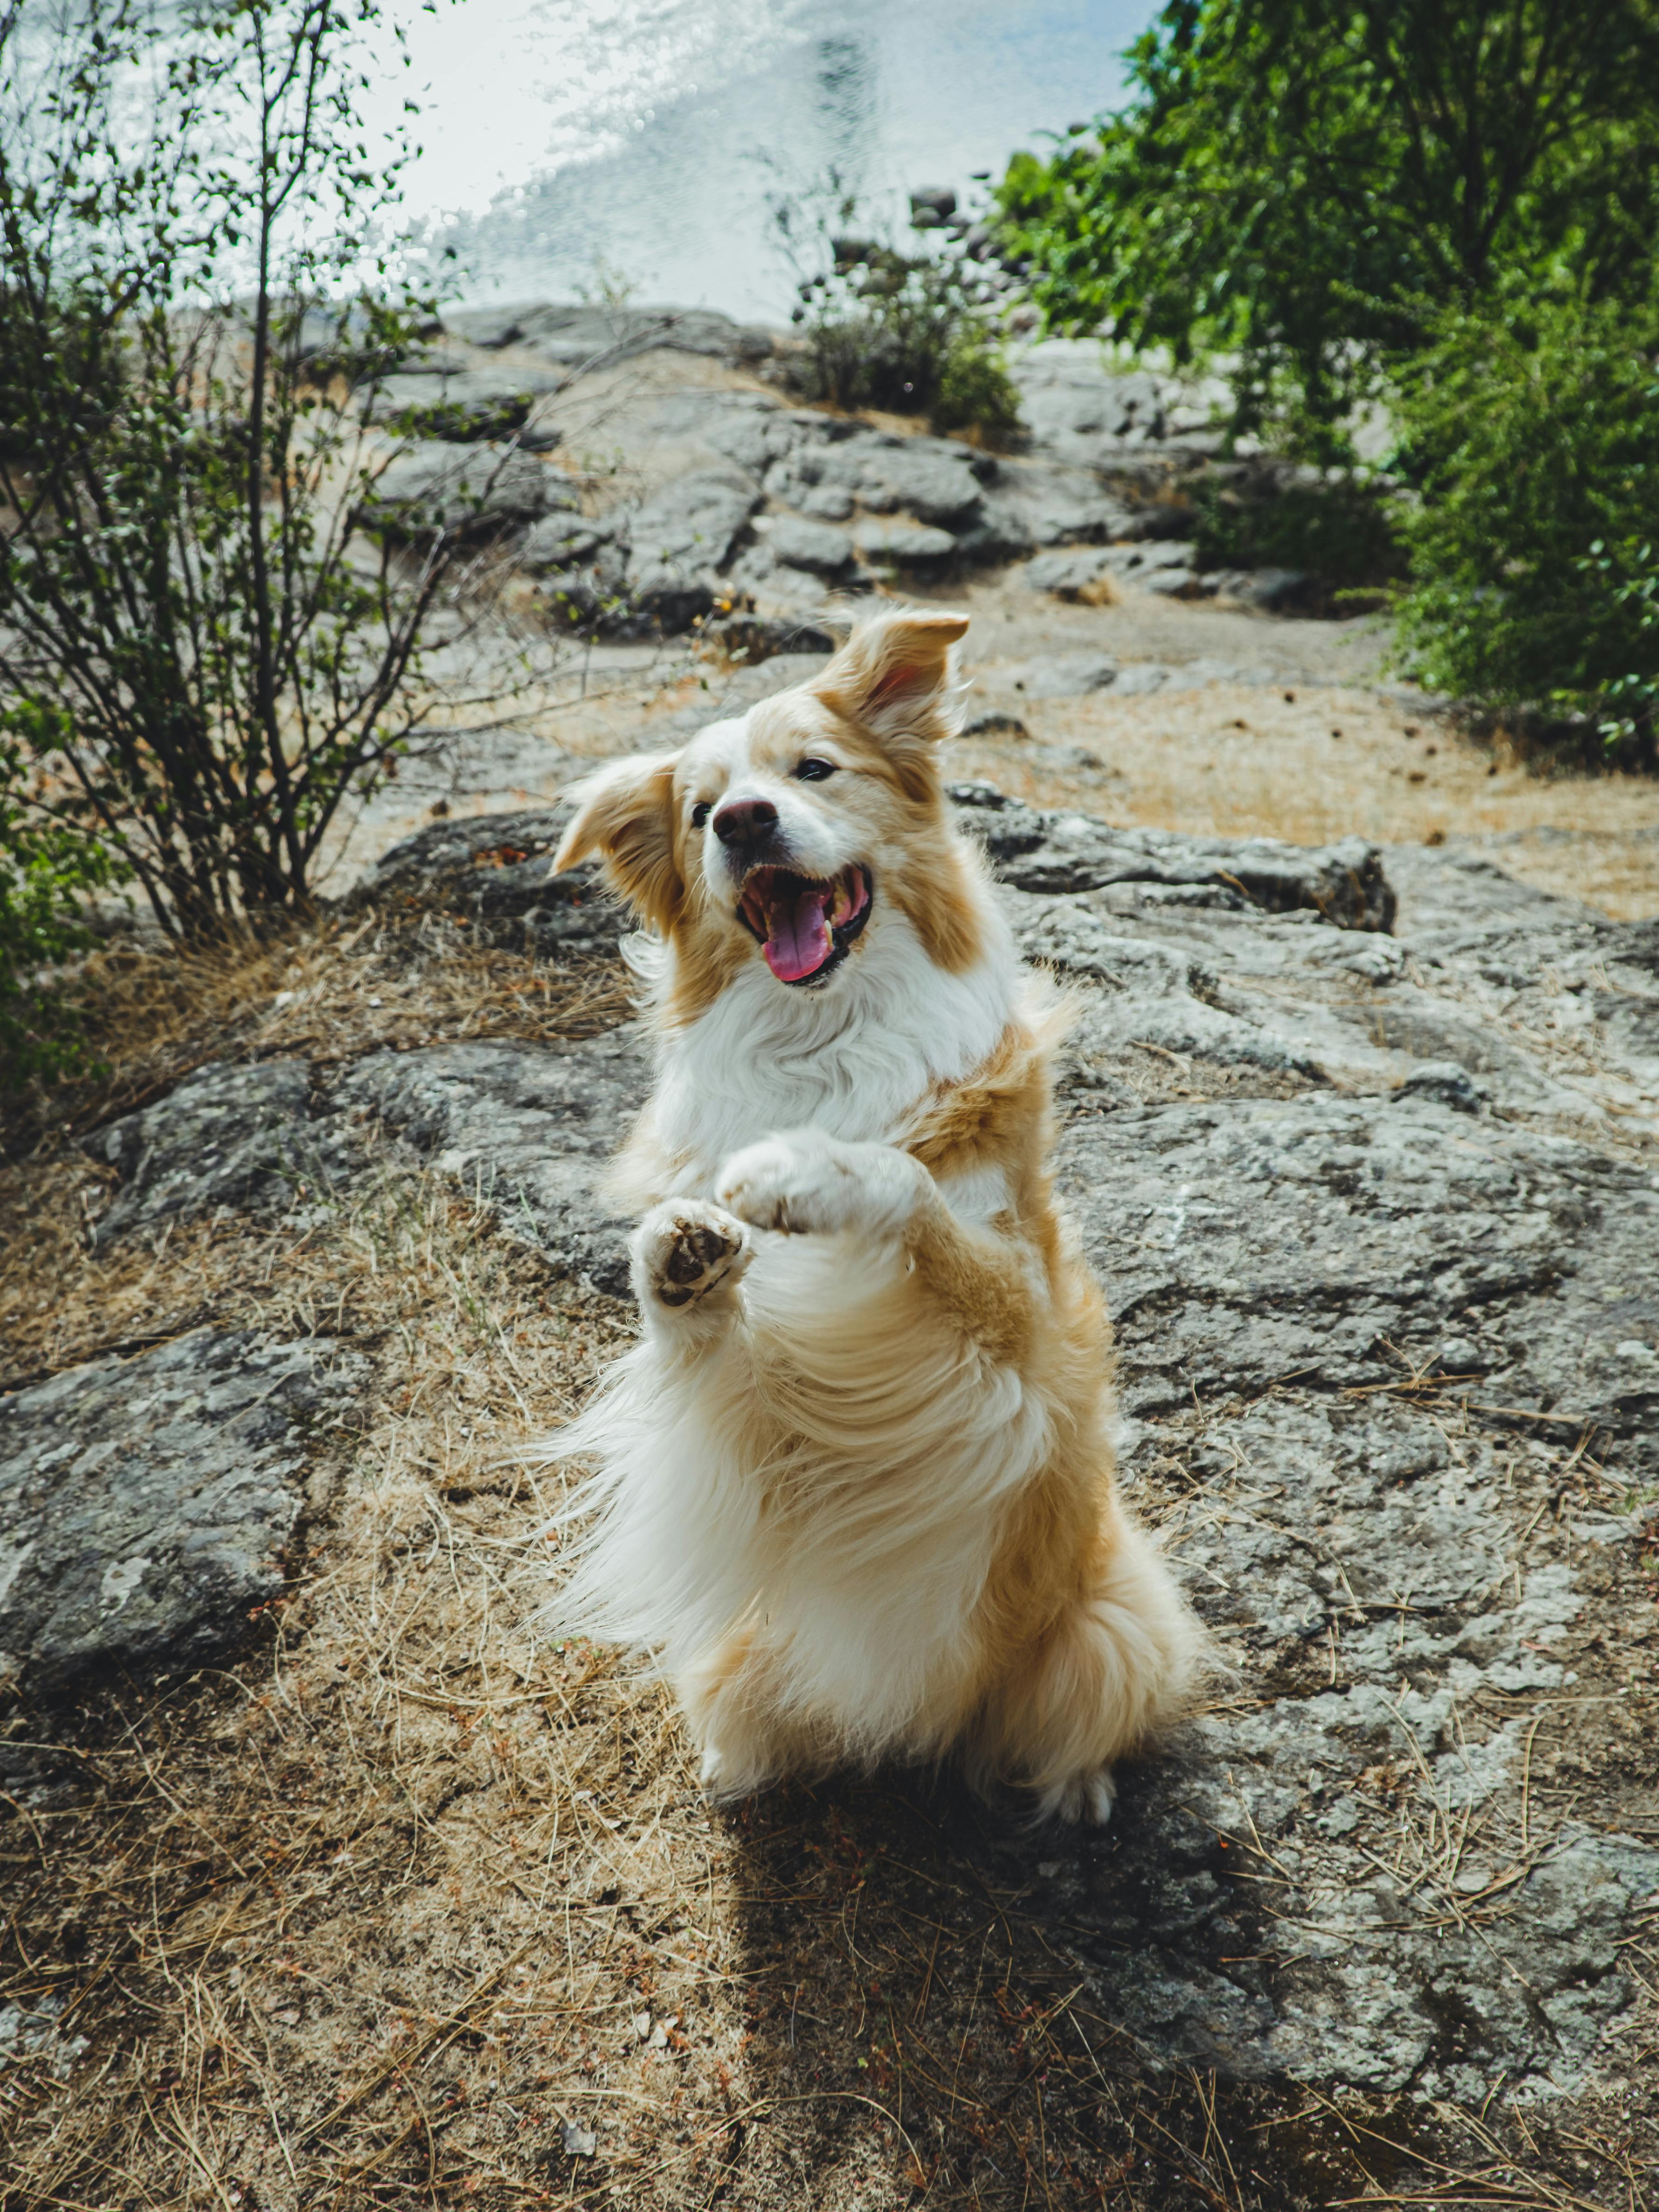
<point>798,936</point>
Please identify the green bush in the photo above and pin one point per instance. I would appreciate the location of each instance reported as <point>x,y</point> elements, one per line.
<point>1532,433</point>
<point>46,869</point>
<point>903,332</point>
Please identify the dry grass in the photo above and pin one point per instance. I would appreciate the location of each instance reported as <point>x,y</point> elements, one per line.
<point>331,993</point>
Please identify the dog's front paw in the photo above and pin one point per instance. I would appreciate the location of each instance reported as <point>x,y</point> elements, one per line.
<point>808,1184</point>
<point>685,1247</point>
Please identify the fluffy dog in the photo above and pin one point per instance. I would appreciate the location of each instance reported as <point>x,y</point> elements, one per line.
<point>854,1484</point>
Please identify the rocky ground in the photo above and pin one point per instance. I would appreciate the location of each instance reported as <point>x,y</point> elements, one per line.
<point>324,1878</point>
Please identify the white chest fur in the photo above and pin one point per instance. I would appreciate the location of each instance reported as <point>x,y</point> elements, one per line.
<point>851,1060</point>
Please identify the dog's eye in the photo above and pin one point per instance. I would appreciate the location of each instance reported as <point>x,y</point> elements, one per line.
<point>814,771</point>
<point>700,813</point>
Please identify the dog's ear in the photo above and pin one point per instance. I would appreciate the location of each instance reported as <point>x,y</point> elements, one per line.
<point>896,675</point>
<point>625,813</point>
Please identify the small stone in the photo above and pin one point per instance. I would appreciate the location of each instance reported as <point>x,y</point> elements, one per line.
<point>906,544</point>
<point>1085,575</point>
<point>1071,675</point>
<point>810,545</point>
<point>579,2142</point>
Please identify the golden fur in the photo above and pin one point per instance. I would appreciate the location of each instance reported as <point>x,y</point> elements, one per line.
<point>855,1486</point>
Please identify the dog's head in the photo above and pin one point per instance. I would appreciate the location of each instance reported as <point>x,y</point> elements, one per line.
<point>795,835</point>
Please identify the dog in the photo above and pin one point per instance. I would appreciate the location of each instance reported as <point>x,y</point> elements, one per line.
<point>854,1484</point>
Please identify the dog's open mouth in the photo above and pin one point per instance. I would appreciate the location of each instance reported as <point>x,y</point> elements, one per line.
<point>805,926</point>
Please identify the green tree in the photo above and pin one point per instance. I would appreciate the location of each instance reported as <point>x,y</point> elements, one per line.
<point>1308,184</point>
<point>197,290</point>
<point>1532,432</point>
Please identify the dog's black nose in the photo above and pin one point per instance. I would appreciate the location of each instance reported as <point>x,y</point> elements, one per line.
<point>745,821</point>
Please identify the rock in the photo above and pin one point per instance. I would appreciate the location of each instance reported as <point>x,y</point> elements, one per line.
<point>558,541</point>
<point>904,545</point>
<point>995,726</point>
<point>1036,503</point>
<point>933,479</point>
<point>1447,1083</point>
<point>1375,1231</point>
<point>1085,575</point>
<point>145,1504</point>
<point>692,522</point>
<point>497,870</point>
<point>489,328</point>
<point>1036,850</point>
<point>830,502</point>
<point>1171,582</point>
<point>936,200</point>
<point>1066,676</point>
<point>579,335</point>
<point>749,427</point>
<point>813,546</point>
<point>225,1136</point>
<point>527,1129</point>
<point>477,490</point>
<point>1274,590</point>
<point>1144,676</point>
<point>682,538</point>
<point>1143,563</point>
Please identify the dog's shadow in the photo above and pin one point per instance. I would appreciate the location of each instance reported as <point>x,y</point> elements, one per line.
<point>938,1988</point>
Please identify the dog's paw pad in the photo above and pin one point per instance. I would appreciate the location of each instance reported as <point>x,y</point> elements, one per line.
<point>685,1247</point>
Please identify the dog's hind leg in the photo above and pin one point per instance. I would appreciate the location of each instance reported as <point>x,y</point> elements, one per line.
<point>730,1701</point>
<point>1118,1665</point>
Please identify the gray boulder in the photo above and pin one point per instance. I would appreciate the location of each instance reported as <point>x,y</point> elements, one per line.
<point>1032,503</point>
<point>931,479</point>
<point>1066,675</point>
<point>227,1136</point>
<point>814,546</point>
<point>1379,1257</point>
<point>682,538</point>
<point>497,870</point>
<point>146,1505</point>
<point>558,542</point>
<point>1038,850</point>
<point>461,407</point>
<point>903,544</point>
<point>528,1129</point>
<point>1083,574</point>
<point>575,336</point>
<point>477,490</point>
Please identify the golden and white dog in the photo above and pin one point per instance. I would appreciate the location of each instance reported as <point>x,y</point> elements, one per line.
<point>855,1482</point>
